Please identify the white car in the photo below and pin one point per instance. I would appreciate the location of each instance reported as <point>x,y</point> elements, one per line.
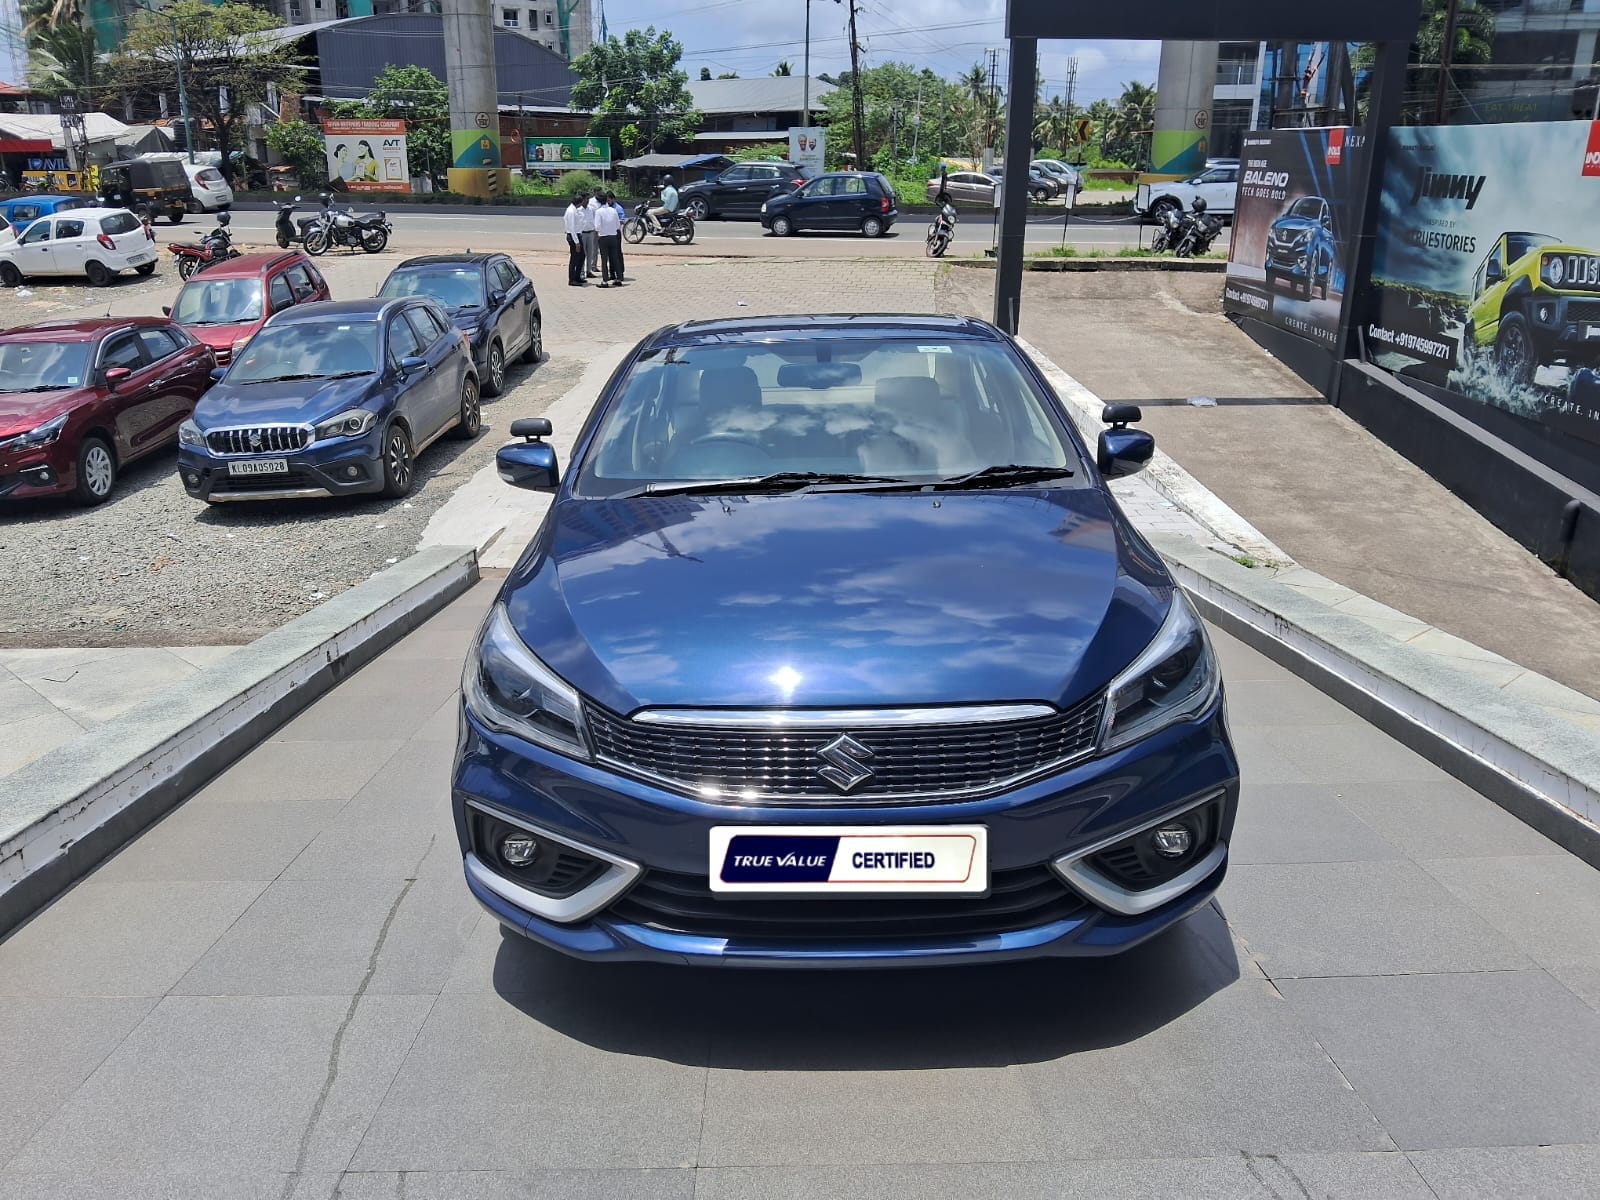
<point>98,242</point>
<point>211,190</point>
<point>1217,185</point>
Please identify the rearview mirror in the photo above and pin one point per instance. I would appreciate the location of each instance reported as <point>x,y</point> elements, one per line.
<point>1123,451</point>
<point>528,465</point>
<point>115,375</point>
<point>819,375</point>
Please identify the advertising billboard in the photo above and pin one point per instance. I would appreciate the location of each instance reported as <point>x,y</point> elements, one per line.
<point>1486,271</point>
<point>1292,216</point>
<point>568,153</point>
<point>808,146</point>
<point>367,156</point>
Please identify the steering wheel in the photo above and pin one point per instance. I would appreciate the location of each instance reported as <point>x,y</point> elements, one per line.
<point>731,436</point>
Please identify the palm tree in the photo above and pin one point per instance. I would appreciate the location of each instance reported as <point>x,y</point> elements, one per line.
<point>1053,125</point>
<point>1472,45</point>
<point>1127,133</point>
<point>783,68</point>
<point>62,56</point>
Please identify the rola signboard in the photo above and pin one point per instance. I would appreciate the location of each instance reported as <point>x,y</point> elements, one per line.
<point>1486,272</point>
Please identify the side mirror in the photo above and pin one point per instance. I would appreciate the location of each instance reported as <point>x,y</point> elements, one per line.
<point>1123,451</point>
<point>528,465</point>
<point>410,363</point>
<point>1494,273</point>
<point>497,298</point>
<point>217,373</point>
<point>115,375</point>
<point>1120,415</point>
<point>166,310</point>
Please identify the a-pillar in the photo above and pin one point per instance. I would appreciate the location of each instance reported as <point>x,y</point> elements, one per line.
<point>1185,85</point>
<point>475,166</point>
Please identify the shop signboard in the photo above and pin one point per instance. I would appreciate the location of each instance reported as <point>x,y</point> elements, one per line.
<point>1486,271</point>
<point>568,153</point>
<point>1293,214</point>
<point>367,155</point>
<point>808,147</point>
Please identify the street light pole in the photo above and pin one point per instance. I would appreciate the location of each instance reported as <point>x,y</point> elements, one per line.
<point>805,115</point>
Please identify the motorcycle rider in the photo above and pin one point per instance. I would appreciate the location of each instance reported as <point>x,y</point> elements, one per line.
<point>660,215</point>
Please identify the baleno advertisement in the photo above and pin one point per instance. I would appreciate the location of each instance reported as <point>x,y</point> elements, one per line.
<point>1486,273</point>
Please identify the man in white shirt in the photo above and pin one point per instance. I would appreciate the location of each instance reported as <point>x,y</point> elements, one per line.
<point>586,229</point>
<point>668,205</point>
<point>592,247</point>
<point>608,231</point>
<point>572,222</point>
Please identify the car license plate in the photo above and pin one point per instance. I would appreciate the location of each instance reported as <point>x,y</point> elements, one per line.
<point>143,256</point>
<point>259,466</point>
<point>846,860</point>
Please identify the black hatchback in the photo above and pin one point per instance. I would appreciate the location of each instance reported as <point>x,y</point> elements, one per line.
<point>490,300</point>
<point>848,201</point>
<point>741,190</point>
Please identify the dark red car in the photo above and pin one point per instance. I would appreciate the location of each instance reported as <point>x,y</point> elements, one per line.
<point>223,306</point>
<point>79,400</point>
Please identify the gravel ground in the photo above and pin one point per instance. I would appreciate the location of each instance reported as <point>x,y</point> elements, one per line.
<point>154,567</point>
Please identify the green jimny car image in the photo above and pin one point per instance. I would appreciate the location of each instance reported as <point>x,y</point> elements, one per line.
<point>1535,301</point>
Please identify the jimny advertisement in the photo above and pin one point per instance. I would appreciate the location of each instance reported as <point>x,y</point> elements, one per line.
<point>1287,263</point>
<point>1486,272</point>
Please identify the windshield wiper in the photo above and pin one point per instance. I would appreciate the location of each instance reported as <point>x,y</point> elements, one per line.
<point>298,378</point>
<point>781,481</point>
<point>999,477</point>
<point>39,387</point>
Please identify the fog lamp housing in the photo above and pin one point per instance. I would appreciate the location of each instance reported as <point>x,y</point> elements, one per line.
<point>1172,841</point>
<point>518,849</point>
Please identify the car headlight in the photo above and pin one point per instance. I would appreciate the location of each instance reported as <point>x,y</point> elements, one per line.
<point>507,688</point>
<point>351,423</point>
<point>1174,679</point>
<point>1553,269</point>
<point>763,206</point>
<point>44,434</point>
<point>189,435</point>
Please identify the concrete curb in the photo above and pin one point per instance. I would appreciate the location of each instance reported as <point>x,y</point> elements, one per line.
<point>1204,266</point>
<point>63,814</point>
<point>1540,769</point>
<point>1170,480</point>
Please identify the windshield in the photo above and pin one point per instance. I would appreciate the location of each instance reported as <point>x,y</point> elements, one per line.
<point>1310,207</point>
<point>218,302</point>
<point>37,366</point>
<point>925,409</point>
<point>308,350</point>
<point>1518,244</point>
<point>453,287</point>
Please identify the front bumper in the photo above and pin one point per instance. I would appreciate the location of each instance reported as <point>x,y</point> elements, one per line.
<point>1288,260</point>
<point>1566,326</point>
<point>652,900</point>
<point>344,467</point>
<point>41,471</point>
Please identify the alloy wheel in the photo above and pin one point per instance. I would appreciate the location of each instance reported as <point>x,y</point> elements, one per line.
<point>471,410</point>
<point>397,462</point>
<point>497,370</point>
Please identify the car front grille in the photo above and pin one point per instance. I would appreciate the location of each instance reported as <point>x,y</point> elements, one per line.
<point>1017,899</point>
<point>258,439</point>
<point>1587,311</point>
<point>909,762</point>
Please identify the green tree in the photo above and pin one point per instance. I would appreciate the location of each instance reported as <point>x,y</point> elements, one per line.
<point>705,74</point>
<point>729,75</point>
<point>63,57</point>
<point>1472,45</point>
<point>1127,131</point>
<point>783,69</point>
<point>301,146</point>
<point>635,80</point>
<point>420,98</point>
<point>229,57</point>
<point>904,109</point>
<point>1053,123</point>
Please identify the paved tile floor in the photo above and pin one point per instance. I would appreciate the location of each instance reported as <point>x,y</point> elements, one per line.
<point>284,990</point>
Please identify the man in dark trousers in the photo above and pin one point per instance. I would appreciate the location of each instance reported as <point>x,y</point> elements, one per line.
<point>608,231</point>
<point>622,219</point>
<point>572,222</point>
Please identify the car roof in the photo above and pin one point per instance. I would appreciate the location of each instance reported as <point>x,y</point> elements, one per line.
<point>93,211</point>
<point>250,265</point>
<point>30,199</point>
<point>77,329</point>
<point>450,260</point>
<point>369,309</point>
<point>754,330</point>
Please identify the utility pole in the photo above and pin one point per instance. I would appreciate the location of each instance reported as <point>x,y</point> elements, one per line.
<point>183,89</point>
<point>1447,49</point>
<point>855,93</point>
<point>916,123</point>
<point>1072,84</point>
<point>805,115</point>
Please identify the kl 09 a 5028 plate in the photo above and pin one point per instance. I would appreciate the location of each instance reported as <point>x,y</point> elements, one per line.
<point>259,466</point>
<point>850,860</point>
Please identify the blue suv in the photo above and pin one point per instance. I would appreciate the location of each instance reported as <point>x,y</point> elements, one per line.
<point>835,650</point>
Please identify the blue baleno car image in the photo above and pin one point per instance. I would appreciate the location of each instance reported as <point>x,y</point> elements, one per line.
<point>332,399</point>
<point>1301,247</point>
<point>833,650</point>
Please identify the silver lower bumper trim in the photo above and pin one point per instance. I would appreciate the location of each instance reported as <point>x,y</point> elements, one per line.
<point>1075,868</point>
<point>617,878</point>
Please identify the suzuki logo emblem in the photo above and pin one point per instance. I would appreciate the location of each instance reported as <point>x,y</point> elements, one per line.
<point>846,769</point>
<point>255,439</point>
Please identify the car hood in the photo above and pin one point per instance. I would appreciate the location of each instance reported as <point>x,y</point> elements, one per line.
<point>1295,225</point>
<point>839,600</point>
<point>222,337</point>
<point>22,411</point>
<point>291,402</point>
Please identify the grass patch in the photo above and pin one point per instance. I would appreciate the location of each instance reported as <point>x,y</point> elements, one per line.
<point>1070,251</point>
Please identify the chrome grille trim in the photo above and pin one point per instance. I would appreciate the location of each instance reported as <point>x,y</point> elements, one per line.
<point>834,718</point>
<point>912,760</point>
<point>241,440</point>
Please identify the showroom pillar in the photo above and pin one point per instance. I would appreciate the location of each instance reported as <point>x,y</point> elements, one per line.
<point>1014,196</point>
<point>1185,85</point>
<point>475,168</point>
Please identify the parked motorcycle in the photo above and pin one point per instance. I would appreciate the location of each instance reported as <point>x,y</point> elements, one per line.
<point>341,226</point>
<point>1189,235</point>
<point>679,226</point>
<point>1171,229</point>
<point>215,247</point>
<point>291,232</point>
<point>941,231</point>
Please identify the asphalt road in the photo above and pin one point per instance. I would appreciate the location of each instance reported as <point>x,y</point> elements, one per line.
<point>419,230</point>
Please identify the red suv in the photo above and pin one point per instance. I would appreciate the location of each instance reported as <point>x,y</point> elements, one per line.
<point>226,304</point>
<point>79,400</point>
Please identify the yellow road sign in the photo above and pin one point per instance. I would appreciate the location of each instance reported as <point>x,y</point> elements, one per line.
<point>1084,129</point>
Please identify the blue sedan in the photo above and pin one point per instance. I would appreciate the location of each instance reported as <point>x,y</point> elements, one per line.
<point>332,399</point>
<point>22,211</point>
<point>835,650</point>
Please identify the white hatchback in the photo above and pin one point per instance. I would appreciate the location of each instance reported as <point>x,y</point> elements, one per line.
<point>97,242</point>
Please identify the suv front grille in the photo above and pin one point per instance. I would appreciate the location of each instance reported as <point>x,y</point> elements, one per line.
<point>909,762</point>
<point>258,439</point>
<point>1018,899</point>
<point>1587,311</point>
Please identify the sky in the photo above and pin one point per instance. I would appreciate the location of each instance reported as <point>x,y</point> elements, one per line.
<point>948,36</point>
